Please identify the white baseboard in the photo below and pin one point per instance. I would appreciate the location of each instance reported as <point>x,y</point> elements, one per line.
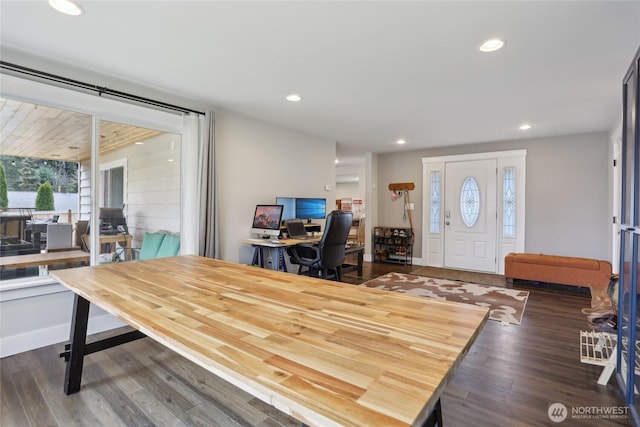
<point>52,335</point>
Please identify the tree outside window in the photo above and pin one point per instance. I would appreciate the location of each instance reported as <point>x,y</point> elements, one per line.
<point>44,199</point>
<point>4,199</point>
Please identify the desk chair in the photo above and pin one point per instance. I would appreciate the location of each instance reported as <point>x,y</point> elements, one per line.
<point>325,258</point>
<point>82,228</point>
<point>60,238</point>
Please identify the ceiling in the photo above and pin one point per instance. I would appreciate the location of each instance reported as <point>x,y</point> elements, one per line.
<point>29,130</point>
<point>369,72</point>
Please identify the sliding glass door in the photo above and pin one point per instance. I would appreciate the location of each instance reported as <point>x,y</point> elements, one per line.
<point>94,154</point>
<point>41,151</point>
<point>140,181</point>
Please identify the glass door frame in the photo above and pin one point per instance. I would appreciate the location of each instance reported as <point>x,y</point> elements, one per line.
<point>629,249</point>
<point>104,109</point>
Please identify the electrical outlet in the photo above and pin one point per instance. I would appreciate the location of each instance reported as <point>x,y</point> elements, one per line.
<point>327,187</point>
<point>410,206</point>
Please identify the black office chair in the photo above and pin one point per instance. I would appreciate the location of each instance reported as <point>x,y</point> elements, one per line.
<point>325,258</point>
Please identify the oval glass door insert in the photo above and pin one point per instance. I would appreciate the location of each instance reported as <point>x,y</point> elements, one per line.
<point>470,201</point>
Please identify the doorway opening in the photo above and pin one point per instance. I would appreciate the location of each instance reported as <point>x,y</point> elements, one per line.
<point>475,205</point>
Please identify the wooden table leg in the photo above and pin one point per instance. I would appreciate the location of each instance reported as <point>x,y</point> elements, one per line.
<point>78,338</point>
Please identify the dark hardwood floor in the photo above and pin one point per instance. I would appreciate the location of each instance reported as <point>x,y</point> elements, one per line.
<point>509,378</point>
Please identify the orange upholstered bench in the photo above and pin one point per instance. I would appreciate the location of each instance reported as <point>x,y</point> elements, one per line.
<point>561,270</point>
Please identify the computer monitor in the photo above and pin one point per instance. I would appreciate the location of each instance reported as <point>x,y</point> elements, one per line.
<point>266,220</point>
<point>311,208</point>
<point>112,221</point>
<point>289,204</point>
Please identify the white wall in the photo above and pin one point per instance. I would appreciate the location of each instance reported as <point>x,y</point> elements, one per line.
<point>615,198</point>
<point>567,196</point>
<point>350,187</point>
<point>348,190</point>
<point>371,200</point>
<point>36,317</point>
<point>567,200</point>
<point>256,162</point>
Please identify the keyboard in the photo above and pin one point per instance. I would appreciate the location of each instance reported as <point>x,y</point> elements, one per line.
<point>305,237</point>
<point>257,240</point>
<point>265,242</point>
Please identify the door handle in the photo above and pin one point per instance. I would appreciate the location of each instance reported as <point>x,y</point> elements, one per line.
<point>447,223</point>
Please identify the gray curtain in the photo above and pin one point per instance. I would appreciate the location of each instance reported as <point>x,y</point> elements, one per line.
<point>209,245</point>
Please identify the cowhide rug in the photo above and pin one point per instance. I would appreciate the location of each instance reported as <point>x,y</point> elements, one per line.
<point>505,305</point>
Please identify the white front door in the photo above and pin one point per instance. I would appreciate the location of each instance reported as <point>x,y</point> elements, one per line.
<point>470,216</point>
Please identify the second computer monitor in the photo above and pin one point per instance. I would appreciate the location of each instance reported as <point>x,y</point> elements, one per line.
<point>112,221</point>
<point>303,207</point>
<point>311,208</point>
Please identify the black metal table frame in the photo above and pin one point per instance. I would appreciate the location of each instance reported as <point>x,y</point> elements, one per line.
<point>279,260</point>
<point>78,348</point>
<point>258,258</point>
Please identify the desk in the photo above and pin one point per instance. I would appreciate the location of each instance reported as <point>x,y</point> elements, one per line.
<point>359,251</point>
<point>311,227</point>
<point>324,352</point>
<point>279,261</point>
<point>49,258</point>
<point>112,238</point>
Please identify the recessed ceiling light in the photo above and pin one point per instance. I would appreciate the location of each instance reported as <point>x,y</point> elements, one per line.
<point>294,97</point>
<point>491,45</point>
<point>139,143</point>
<point>401,141</point>
<point>337,161</point>
<point>67,7</point>
<point>524,126</point>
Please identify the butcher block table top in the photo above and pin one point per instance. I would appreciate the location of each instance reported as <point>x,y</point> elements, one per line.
<point>326,353</point>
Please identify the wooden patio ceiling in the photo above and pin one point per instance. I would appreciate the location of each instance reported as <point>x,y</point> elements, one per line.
<point>29,130</point>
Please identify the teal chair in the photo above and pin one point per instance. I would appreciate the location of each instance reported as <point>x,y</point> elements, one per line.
<point>159,245</point>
